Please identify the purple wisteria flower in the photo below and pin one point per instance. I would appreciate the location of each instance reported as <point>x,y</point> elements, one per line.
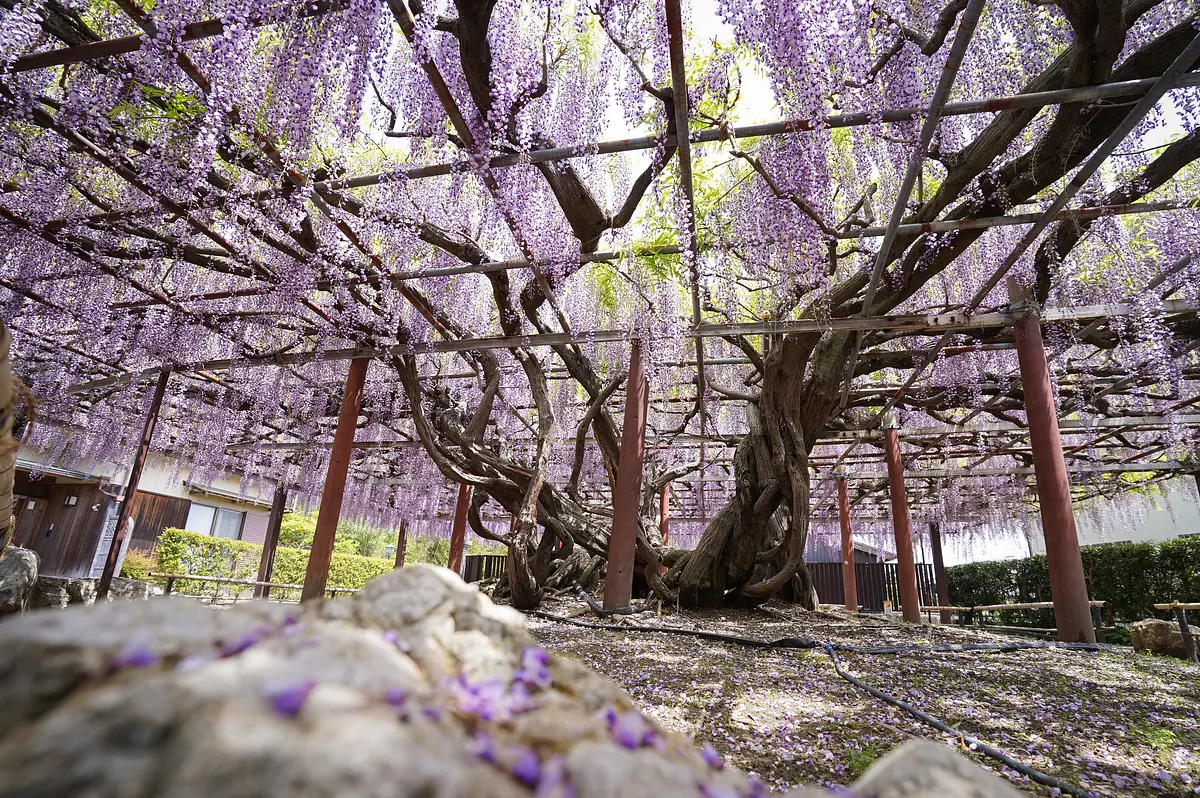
<point>526,768</point>
<point>245,641</point>
<point>396,698</point>
<point>134,655</point>
<point>390,636</point>
<point>717,791</point>
<point>629,729</point>
<point>554,782</point>
<point>534,670</point>
<point>482,746</point>
<point>491,699</point>
<point>288,701</point>
<point>711,757</point>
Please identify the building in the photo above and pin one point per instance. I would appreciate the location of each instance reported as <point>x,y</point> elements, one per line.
<point>863,552</point>
<point>68,517</point>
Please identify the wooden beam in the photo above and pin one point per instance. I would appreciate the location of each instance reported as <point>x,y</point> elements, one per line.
<point>271,543</point>
<point>321,553</point>
<point>622,543</point>
<point>135,476</point>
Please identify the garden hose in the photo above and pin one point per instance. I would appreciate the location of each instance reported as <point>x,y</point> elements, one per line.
<point>603,613</point>
<point>831,649</point>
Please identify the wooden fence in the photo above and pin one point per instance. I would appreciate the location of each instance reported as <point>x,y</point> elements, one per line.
<point>877,583</point>
<point>479,567</point>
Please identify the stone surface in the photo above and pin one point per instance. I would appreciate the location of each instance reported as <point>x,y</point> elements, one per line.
<point>58,592</point>
<point>416,686</point>
<point>18,578</point>
<point>923,768</point>
<point>1157,636</point>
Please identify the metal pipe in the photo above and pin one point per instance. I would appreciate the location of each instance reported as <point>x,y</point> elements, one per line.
<point>321,552</point>
<point>135,476</point>
<point>1127,88</point>
<point>1068,588</point>
<point>906,566</point>
<point>916,323</point>
<point>622,543</point>
<point>849,577</point>
<point>683,144</point>
<point>916,165</point>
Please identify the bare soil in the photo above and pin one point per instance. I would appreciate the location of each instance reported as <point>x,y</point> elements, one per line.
<point>1117,723</point>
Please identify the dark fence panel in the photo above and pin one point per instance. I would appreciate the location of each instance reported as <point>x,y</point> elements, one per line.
<point>876,583</point>
<point>481,567</point>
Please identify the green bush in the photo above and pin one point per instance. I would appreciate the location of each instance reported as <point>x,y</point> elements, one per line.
<point>138,564</point>
<point>181,552</point>
<point>1129,577</point>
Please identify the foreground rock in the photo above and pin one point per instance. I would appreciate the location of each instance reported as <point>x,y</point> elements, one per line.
<point>416,686</point>
<point>18,578</point>
<point>1159,637</point>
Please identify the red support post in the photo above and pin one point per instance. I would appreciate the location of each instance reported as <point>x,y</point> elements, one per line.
<point>622,543</point>
<point>458,533</point>
<point>939,569</point>
<point>135,476</point>
<point>401,543</point>
<point>906,566</point>
<point>849,579</point>
<point>274,523</point>
<point>335,483</point>
<point>1068,587</point>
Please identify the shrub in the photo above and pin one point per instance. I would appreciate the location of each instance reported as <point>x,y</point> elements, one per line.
<point>1129,577</point>
<point>138,564</point>
<point>181,552</point>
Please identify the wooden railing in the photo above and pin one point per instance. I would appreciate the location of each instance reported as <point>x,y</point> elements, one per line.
<point>964,612</point>
<point>171,579</point>
<point>1189,638</point>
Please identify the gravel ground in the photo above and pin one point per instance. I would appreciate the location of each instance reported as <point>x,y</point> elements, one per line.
<point>1116,723</point>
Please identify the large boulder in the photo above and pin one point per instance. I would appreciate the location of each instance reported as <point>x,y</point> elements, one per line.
<point>415,686</point>
<point>18,578</point>
<point>1159,637</point>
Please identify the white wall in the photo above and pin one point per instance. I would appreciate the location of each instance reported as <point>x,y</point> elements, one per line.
<point>159,476</point>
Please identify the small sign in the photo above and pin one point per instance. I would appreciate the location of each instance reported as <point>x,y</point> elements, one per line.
<point>887,608</point>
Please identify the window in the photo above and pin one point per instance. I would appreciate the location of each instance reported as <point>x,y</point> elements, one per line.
<point>215,521</point>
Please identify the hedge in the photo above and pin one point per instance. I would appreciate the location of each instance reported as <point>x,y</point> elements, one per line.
<point>1130,577</point>
<point>182,552</point>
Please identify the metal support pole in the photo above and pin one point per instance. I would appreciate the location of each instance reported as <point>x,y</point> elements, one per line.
<point>135,476</point>
<point>622,543</point>
<point>458,532</point>
<point>401,543</point>
<point>321,552</point>
<point>906,566</point>
<point>1068,588</point>
<point>939,568</point>
<point>274,523</point>
<point>1189,642</point>
<point>849,579</point>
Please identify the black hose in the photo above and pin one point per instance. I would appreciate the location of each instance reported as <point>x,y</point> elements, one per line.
<point>603,613</point>
<point>831,648</point>
<point>974,742</point>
